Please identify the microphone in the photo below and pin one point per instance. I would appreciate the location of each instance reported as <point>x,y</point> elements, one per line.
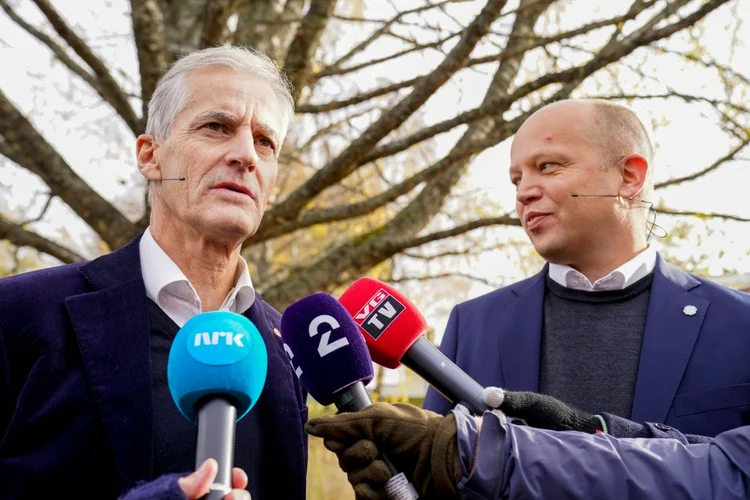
<point>331,360</point>
<point>216,371</point>
<point>394,331</point>
<point>596,196</point>
<point>171,179</point>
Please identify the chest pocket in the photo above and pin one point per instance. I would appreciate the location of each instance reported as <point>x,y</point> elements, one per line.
<point>720,398</point>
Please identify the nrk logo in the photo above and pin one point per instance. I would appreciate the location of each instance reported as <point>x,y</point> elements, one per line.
<point>226,338</point>
<point>379,313</point>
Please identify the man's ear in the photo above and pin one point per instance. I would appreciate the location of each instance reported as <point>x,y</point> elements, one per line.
<point>145,150</point>
<point>634,173</point>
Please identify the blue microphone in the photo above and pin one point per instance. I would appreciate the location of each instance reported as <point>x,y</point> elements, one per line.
<point>216,371</point>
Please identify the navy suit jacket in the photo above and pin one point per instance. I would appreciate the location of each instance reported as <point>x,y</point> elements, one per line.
<point>694,370</point>
<point>75,387</point>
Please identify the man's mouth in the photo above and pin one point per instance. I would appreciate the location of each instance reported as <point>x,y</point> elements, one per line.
<point>237,188</point>
<point>533,220</point>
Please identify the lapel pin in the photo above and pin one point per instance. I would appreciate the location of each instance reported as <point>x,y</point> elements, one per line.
<point>690,310</point>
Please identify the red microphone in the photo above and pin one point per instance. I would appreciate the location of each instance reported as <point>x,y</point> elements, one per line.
<point>394,331</point>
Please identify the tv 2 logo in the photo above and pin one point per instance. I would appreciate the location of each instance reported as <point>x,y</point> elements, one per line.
<point>379,313</point>
<point>325,346</point>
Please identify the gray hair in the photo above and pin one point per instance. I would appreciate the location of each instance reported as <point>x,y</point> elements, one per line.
<point>171,94</point>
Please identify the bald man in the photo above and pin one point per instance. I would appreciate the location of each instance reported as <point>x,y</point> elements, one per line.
<point>608,337</point>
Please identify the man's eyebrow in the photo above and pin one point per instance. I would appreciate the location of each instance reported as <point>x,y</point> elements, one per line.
<point>266,130</point>
<point>218,116</point>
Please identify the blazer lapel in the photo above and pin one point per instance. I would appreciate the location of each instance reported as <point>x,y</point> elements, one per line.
<point>521,334</point>
<point>280,412</point>
<point>111,325</point>
<point>675,317</point>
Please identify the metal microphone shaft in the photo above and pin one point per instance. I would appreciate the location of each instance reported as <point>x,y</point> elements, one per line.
<point>216,426</point>
<point>442,374</point>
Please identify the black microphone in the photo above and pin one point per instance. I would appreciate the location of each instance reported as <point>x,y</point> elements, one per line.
<point>394,330</point>
<point>172,179</point>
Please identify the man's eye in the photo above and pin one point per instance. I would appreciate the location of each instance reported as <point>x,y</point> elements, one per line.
<point>216,127</point>
<point>266,143</point>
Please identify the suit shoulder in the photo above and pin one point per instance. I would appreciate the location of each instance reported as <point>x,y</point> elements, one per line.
<point>43,286</point>
<point>715,291</point>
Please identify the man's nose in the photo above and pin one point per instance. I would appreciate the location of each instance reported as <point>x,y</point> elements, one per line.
<point>242,151</point>
<point>528,190</point>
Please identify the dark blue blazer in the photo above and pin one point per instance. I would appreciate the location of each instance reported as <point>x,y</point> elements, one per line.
<point>694,370</point>
<point>75,387</point>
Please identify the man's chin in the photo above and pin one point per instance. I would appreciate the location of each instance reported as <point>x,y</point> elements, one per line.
<point>231,228</point>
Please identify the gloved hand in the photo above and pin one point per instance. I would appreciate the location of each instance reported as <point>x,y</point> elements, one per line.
<point>420,443</point>
<point>542,411</point>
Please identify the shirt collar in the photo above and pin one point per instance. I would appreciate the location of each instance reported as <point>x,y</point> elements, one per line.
<point>159,272</point>
<point>622,277</point>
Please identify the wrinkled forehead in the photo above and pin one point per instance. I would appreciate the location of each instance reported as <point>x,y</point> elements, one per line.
<point>240,94</point>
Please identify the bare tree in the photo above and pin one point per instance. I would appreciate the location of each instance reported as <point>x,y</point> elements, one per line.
<point>360,180</point>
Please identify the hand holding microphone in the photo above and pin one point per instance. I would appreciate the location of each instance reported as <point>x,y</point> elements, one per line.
<point>216,372</point>
<point>422,445</point>
<point>330,358</point>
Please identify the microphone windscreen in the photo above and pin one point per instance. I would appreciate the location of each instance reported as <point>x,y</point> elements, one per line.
<point>389,322</point>
<point>217,353</point>
<point>325,347</point>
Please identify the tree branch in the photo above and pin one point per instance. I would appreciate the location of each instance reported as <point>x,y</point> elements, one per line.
<point>302,49</point>
<point>58,51</point>
<point>345,163</point>
<point>502,56</point>
<point>359,98</point>
<point>335,68</point>
<point>23,238</point>
<point>715,165</point>
<point>504,220</point>
<point>331,71</point>
<point>352,210</point>
<point>115,95</point>
<point>24,145</point>
<point>455,274</point>
<point>151,42</point>
<point>702,215</point>
<point>215,20</point>
<point>685,97</point>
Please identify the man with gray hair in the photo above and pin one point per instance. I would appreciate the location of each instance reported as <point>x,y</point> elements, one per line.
<point>84,401</point>
<point>608,337</point>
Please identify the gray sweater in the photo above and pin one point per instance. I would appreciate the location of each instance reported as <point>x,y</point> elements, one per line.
<point>591,345</point>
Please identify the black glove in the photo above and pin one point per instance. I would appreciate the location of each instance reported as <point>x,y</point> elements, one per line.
<point>420,443</point>
<point>546,412</point>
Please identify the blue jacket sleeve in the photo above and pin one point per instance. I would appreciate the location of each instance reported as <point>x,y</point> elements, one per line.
<point>164,487</point>
<point>435,401</point>
<point>521,462</point>
<point>623,428</point>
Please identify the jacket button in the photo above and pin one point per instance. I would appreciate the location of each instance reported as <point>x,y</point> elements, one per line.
<point>663,427</point>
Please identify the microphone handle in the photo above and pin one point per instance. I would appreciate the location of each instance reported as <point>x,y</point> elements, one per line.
<point>436,369</point>
<point>353,399</point>
<point>217,419</point>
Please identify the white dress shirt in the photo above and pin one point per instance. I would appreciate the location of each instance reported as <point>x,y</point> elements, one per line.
<point>170,289</point>
<point>622,277</point>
